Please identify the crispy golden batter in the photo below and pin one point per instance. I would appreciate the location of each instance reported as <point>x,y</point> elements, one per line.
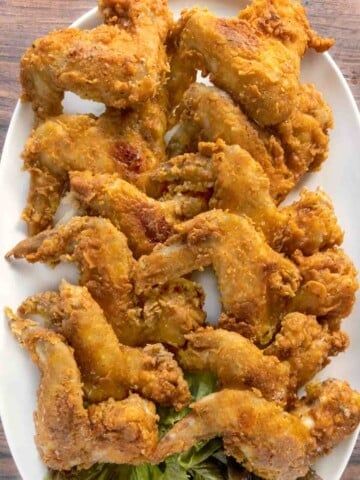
<point>130,144</point>
<point>69,435</point>
<point>328,286</point>
<point>257,433</point>
<point>331,410</point>
<point>208,114</point>
<point>110,369</point>
<point>285,152</point>
<point>255,282</point>
<point>237,363</point>
<point>119,65</point>
<point>304,135</point>
<point>273,444</point>
<point>255,58</point>
<point>143,220</point>
<point>306,345</point>
<point>106,268</point>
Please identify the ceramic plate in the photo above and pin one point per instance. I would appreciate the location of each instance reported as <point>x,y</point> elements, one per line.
<point>340,177</point>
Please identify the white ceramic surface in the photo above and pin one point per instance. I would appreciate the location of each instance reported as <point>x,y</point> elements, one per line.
<point>340,177</point>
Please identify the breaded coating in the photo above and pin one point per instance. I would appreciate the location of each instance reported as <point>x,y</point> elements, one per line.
<point>259,434</point>
<point>237,363</point>
<point>255,58</point>
<point>130,144</point>
<point>255,282</point>
<point>306,345</point>
<point>110,369</point>
<point>331,409</point>
<point>106,269</point>
<point>285,20</point>
<point>328,286</point>
<point>169,312</point>
<point>119,65</point>
<point>304,135</point>
<point>208,114</point>
<point>145,221</point>
<point>285,152</point>
<point>272,443</point>
<point>234,181</point>
<point>69,435</point>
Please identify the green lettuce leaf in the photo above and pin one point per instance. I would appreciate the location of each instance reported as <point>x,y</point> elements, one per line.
<point>199,453</point>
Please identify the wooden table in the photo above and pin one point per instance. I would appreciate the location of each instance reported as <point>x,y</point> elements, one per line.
<point>22,20</point>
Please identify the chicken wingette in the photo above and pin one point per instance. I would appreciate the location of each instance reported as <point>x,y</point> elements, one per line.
<point>67,433</point>
<point>108,368</point>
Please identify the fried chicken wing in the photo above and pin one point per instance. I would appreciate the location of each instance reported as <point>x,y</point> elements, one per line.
<point>106,269</point>
<point>306,345</point>
<point>257,433</point>
<point>304,135</point>
<point>272,443</point>
<point>144,221</point>
<point>110,369</point>
<point>119,65</point>
<point>69,435</point>
<point>328,286</point>
<point>331,409</point>
<point>234,181</point>
<point>237,363</point>
<point>130,144</point>
<point>208,114</point>
<point>255,58</point>
<point>255,282</point>
<point>285,152</point>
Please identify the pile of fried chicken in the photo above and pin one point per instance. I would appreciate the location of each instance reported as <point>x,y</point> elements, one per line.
<point>151,212</point>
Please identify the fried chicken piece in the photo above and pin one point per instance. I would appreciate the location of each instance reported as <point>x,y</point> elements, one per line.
<point>237,363</point>
<point>69,435</point>
<point>255,282</point>
<point>306,345</point>
<point>110,369</point>
<point>274,444</point>
<point>255,58</point>
<point>286,152</point>
<point>234,181</point>
<point>328,286</point>
<point>119,65</point>
<point>208,114</point>
<point>130,144</point>
<point>331,409</point>
<point>169,312</point>
<point>106,269</point>
<point>304,135</point>
<point>285,20</point>
<point>145,221</point>
<point>257,433</point>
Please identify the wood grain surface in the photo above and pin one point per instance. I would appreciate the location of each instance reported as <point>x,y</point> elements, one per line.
<point>23,20</point>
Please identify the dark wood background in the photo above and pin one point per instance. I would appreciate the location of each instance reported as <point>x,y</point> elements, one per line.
<point>23,20</point>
